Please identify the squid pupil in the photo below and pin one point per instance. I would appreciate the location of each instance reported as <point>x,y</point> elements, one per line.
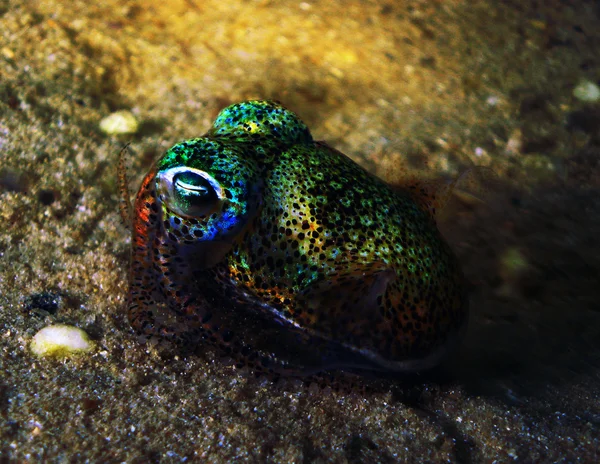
<point>193,189</point>
<point>192,184</point>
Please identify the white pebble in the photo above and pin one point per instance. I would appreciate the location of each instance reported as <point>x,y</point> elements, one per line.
<point>60,341</point>
<point>119,122</point>
<point>587,91</point>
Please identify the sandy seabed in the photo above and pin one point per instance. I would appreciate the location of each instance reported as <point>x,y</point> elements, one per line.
<point>436,86</point>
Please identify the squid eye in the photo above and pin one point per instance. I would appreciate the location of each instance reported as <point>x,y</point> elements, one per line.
<point>191,192</point>
<point>192,185</point>
<point>194,194</point>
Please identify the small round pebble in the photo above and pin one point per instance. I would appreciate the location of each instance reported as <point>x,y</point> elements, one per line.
<point>513,263</point>
<point>60,341</point>
<point>119,122</point>
<point>587,91</point>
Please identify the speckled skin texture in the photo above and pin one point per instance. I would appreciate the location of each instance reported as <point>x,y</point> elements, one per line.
<point>288,255</point>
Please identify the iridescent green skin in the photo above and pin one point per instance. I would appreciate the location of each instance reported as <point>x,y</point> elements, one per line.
<point>288,255</point>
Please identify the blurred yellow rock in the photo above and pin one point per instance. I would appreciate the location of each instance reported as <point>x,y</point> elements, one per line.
<point>119,122</point>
